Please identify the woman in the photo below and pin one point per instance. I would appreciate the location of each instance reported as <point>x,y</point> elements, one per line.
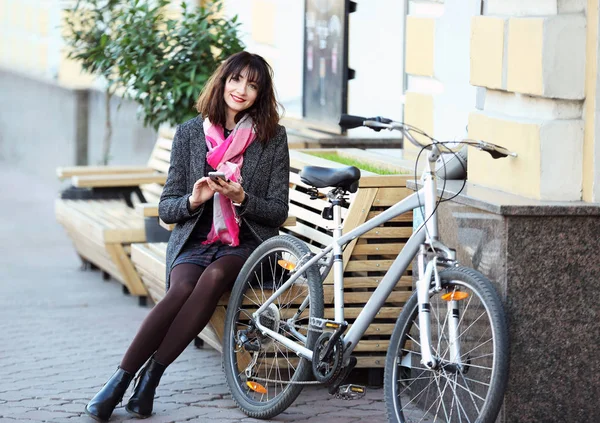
<point>219,222</point>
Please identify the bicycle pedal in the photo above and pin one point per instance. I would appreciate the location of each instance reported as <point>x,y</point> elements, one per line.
<point>319,324</point>
<point>351,392</point>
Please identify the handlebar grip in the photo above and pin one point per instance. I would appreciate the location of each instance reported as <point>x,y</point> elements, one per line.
<point>351,121</point>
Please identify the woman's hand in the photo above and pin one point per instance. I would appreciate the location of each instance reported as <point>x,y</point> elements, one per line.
<point>231,190</point>
<point>201,193</point>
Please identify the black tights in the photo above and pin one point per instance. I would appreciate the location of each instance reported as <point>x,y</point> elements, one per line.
<point>182,313</point>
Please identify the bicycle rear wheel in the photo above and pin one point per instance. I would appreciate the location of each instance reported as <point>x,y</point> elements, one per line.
<point>263,390</point>
<point>465,389</point>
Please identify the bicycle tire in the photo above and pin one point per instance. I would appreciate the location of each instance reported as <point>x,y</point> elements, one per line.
<point>474,393</point>
<point>260,276</point>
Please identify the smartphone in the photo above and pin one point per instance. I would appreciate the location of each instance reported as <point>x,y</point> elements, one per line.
<point>218,176</point>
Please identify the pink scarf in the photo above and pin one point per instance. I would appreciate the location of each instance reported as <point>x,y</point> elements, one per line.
<point>226,155</point>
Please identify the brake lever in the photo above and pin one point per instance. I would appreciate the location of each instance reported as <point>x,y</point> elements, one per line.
<point>496,151</point>
<point>496,154</point>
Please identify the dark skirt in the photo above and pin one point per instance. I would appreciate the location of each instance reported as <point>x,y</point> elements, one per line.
<point>204,254</point>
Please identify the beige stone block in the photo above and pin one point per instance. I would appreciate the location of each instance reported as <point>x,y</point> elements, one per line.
<point>43,22</point>
<point>487,51</point>
<point>420,46</point>
<point>524,58</point>
<point>263,21</point>
<point>549,162</point>
<point>42,57</point>
<point>546,56</point>
<point>418,111</point>
<point>71,74</point>
<point>29,18</point>
<point>520,175</point>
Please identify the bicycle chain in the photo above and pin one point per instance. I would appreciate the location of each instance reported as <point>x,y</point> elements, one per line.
<point>311,382</point>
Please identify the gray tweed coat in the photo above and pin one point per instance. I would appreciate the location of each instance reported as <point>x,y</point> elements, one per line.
<point>265,179</point>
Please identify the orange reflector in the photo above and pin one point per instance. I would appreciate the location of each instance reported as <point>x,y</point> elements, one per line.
<point>287,265</point>
<point>455,296</point>
<point>256,387</point>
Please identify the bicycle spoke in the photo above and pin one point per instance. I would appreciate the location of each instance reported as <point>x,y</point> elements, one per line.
<point>477,347</point>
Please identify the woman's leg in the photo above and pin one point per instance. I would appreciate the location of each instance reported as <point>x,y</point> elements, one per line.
<point>218,277</point>
<point>155,326</point>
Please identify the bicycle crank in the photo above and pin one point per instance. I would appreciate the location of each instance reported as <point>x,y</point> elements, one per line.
<point>327,367</point>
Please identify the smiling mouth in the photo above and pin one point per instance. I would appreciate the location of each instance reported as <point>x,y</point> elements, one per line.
<point>237,99</point>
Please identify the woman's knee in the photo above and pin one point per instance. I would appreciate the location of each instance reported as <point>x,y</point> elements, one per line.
<point>184,278</point>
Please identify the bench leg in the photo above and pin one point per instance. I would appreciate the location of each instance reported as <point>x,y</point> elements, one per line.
<point>198,342</point>
<point>375,377</point>
<point>142,301</point>
<point>105,276</point>
<point>125,290</point>
<point>85,264</point>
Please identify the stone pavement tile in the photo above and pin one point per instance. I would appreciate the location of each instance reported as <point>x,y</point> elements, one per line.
<point>42,415</point>
<point>190,398</point>
<point>11,410</point>
<point>9,395</point>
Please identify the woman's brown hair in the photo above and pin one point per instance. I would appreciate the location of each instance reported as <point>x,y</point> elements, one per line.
<point>264,112</point>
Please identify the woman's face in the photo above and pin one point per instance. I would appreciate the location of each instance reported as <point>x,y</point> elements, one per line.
<point>239,92</point>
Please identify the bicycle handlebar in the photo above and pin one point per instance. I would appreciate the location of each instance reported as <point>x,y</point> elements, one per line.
<point>378,123</point>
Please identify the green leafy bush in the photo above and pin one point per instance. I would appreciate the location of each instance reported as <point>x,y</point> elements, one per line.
<point>165,63</point>
<point>160,62</point>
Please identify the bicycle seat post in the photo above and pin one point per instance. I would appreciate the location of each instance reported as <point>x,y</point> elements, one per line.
<point>336,200</point>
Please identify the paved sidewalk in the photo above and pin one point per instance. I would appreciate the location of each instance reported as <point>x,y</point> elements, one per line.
<point>63,332</point>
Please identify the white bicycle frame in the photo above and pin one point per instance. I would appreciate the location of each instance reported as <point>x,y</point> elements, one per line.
<point>425,236</point>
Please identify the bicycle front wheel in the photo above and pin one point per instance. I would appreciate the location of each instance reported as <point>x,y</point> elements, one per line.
<point>469,341</point>
<point>262,373</point>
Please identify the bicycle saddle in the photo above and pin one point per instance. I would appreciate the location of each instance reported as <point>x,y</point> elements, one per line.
<point>321,177</point>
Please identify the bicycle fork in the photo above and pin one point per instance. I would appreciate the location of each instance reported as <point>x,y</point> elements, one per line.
<point>451,322</point>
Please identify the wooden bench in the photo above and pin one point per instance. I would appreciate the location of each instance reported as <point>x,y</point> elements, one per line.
<point>102,230</point>
<point>365,260</point>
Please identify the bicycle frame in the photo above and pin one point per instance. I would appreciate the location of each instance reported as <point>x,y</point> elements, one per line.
<point>427,232</point>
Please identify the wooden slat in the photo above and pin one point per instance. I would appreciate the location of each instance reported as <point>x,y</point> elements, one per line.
<point>352,312</point>
<point>313,234</point>
<point>372,281</point>
<point>217,322</point>
<point>147,210</point>
<point>144,257</point>
<point>69,172</point>
<point>390,196</point>
<point>377,249</point>
<point>166,132</point>
<point>167,226</point>
<point>309,216</point>
<point>363,297</point>
<point>391,232</point>
<point>369,265</point>
<point>153,188</point>
<point>118,180</point>
<point>357,215</point>
<point>406,217</point>
<point>305,200</point>
<point>376,181</point>
<point>159,165</point>
<point>164,143</point>
<point>123,262</point>
<point>163,155</point>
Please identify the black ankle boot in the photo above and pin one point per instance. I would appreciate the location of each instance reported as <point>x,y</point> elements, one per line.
<point>104,402</point>
<point>141,402</point>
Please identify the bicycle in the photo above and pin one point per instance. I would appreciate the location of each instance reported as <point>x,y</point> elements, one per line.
<point>448,354</point>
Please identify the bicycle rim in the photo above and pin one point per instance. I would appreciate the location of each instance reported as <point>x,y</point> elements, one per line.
<point>268,391</point>
<point>469,389</point>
